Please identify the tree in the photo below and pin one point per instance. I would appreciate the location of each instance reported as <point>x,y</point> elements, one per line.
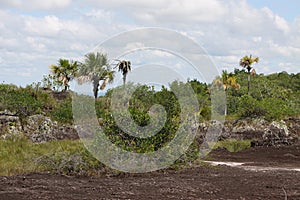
<point>246,62</point>
<point>124,66</point>
<point>65,71</point>
<point>95,68</point>
<point>228,80</point>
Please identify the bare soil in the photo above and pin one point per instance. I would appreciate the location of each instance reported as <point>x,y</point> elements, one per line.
<point>197,182</point>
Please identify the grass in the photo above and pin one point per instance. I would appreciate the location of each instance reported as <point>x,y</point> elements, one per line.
<point>233,145</point>
<point>18,156</point>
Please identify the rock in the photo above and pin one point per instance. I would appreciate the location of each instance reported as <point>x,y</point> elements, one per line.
<point>10,124</point>
<point>214,131</point>
<point>65,132</point>
<point>40,128</point>
<point>293,126</point>
<point>279,129</point>
<point>43,129</point>
<point>276,133</point>
<point>248,129</point>
<point>37,128</point>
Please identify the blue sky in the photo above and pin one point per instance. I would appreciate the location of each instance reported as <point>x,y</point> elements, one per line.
<point>35,34</point>
<point>287,9</point>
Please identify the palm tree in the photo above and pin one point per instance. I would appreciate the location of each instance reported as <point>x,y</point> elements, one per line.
<point>228,80</point>
<point>95,68</point>
<point>124,66</point>
<point>65,71</point>
<point>246,62</point>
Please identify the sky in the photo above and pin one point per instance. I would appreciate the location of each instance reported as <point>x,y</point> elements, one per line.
<point>35,34</point>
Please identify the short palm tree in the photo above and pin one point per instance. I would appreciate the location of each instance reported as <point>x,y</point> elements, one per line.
<point>246,62</point>
<point>228,80</point>
<point>95,68</point>
<point>65,71</point>
<point>124,67</point>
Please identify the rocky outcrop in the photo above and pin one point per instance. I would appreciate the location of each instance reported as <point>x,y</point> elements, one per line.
<point>261,132</point>
<point>40,128</point>
<point>277,133</point>
<point>37,128</point>
<point>10,124</point>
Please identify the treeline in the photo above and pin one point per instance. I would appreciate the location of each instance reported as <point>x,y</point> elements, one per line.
<point>271,97</point>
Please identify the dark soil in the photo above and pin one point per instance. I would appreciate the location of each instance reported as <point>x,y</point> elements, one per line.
<point>203,182</point>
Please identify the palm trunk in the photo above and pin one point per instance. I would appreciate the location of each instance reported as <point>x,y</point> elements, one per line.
<point>225,102</point>
<point>96,89</point>
<point>249,83</point>
<point>66,80</point>
<point>95,86</point>
<point>124,79</point>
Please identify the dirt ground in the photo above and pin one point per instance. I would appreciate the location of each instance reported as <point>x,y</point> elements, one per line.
<point>203,182</point>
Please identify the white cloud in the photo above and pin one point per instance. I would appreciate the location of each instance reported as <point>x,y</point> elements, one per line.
<point>134,46</point>
<point>37,33</point>
<point>279,22</point>
<point>47,26</point>
<point>35,4</point>
<point>158,11</point>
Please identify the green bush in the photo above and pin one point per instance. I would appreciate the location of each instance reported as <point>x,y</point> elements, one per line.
<point>250,107</point>
<point>275,108</point>
<point>63,112</point>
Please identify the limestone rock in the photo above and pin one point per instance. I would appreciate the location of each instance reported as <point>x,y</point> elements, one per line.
<point>10,124</point>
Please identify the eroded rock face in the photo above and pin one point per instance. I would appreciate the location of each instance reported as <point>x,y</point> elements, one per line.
<point>247,129</point>
<point>42,129</point>
<point>10,124</point>
<point>261,132</point>
<point>38,128</point>
<point>276,133</point>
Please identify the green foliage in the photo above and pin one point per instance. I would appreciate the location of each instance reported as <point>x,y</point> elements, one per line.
<point>141,101</point>
<point>250,107</point>
<point>21,101</point>
<point>64,72</point>
<point>63,111</point>
<point>274,96</point>
<point>51,82</point>
<point>33,100</point>
<point>95,68</point>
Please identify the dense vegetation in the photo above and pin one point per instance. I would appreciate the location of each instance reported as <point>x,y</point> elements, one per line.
<point>271,97</point>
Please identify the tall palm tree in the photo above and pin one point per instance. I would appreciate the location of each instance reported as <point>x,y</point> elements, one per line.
<point>246,62</point>
<point>95,68</point>
<point>228,80</point>
<point>65,71</point>
<point>124,67</point>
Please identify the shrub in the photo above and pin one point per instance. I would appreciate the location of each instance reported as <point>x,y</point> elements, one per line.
<point>250,107</point>
<point>63,112</point>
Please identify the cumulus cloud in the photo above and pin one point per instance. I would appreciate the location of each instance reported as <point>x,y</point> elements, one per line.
<point>168,11</point>
<point>34,35</point>
<point>35,4</point>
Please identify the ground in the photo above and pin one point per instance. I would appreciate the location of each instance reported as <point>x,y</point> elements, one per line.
<point>275,178</point>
